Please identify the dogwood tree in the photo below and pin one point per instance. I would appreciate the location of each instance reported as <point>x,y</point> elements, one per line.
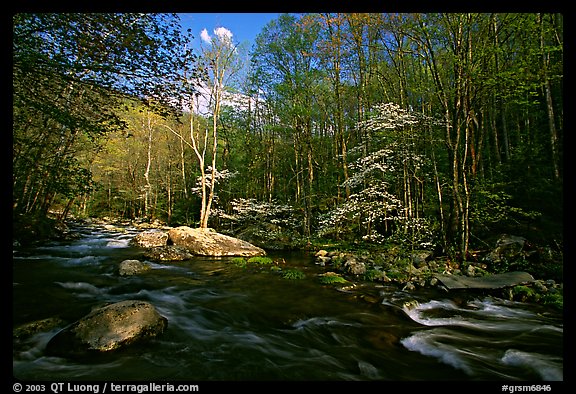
<point>384,180</point>
<point>250,210</point>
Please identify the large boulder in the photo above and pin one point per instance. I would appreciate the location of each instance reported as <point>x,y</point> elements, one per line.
<point>508,249</point>
<point>355,267</point>
<point>208,242</point>
<point>108,328</point>
<point>150,239</point>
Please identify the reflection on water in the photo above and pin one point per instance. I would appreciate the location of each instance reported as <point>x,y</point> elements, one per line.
<point>232,323</point>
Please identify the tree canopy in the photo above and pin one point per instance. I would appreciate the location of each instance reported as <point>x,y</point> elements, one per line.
<point>71,75</point>
<point>440,130</point>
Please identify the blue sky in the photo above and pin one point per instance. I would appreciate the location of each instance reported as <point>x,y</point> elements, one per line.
<point>244,26</point>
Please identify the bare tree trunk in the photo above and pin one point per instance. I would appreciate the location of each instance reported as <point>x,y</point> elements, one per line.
<point>297,169</point>
<point>147,172</point>
<point>66,210</point>
<point>440,200</point>
<point>169,192</point>
<point>502,110</point>
<point>183,164</point>
<point>310,180</point>
<point>549,102</point>
<point>200,156</point>
<point>495,134</point>
<point>208,207</point>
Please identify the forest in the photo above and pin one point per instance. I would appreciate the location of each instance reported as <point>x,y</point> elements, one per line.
<point>434,131</point>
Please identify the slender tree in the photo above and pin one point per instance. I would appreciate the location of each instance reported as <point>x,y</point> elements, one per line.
<point>221,62</point>
<point>70,75</point>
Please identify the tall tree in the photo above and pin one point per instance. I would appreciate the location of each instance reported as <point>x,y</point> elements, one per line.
<point>221,62</point>
<point>333,52</point>
<point>70,73</point>
<point>283,55</point>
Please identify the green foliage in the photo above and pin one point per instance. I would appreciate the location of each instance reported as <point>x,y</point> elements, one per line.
<point>416,233</point>
<point>243,262</point>
<point>263,260</point>
<point>330,278</point>
<point>239,262</point>
<point>69,85</point>
<point>552,297</point>
<point>293,274</point>
<point>416,170</point>
<point>372,275</point>
<point>525,294</point>
<point>337,262</point>
<point>555,300</point>
<point>396,274</point>
<point>548,268</point>
<point>30,228</point>
<point>492,208</point>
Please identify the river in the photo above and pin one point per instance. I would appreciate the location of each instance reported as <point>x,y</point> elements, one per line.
<point>229,323</point>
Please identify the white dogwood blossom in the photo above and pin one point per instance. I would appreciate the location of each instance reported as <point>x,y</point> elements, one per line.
<point>246,210</point>
<point>373,210</point>
<point>389,116</point>
<point>220,176</point>
<point>372,207</point>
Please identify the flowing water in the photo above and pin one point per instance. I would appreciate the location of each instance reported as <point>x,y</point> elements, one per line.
<point>228,323</point>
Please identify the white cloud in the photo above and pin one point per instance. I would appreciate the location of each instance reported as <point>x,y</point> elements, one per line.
<point>205,36</point>
<point>203,101</point>
<point>223,33</point>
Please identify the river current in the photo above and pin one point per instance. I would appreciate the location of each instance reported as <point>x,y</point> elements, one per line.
<point>231,323</point>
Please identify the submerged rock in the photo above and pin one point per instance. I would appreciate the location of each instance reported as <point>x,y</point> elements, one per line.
<point>108,328</point>
<point>132,267</point>
<point>27,330</point>
<point>207,242</point>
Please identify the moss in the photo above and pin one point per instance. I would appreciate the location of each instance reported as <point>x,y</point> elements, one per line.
<point>522,290</point>
<point>555,300</point>
<point>395,274</point>
<point>373,275</point>
<point>524,293</point>
<point>330,278</point>
<point>260,260</point>
<point>337,261</point>
<point>239,262</point>
<point>293,274</point>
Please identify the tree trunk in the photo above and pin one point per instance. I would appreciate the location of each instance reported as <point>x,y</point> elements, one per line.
<point>147,173</point>
<point>183,164</point>
<point>549,103</point>
<point>206,216</point>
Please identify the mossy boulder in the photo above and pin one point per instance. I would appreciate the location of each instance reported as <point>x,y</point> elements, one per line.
<point>208,242</point>
<point>108,328</point>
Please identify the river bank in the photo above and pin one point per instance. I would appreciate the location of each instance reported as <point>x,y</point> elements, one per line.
<point>393,265</point>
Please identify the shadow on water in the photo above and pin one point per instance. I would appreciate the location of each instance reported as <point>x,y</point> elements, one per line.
<point>233,323</point>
